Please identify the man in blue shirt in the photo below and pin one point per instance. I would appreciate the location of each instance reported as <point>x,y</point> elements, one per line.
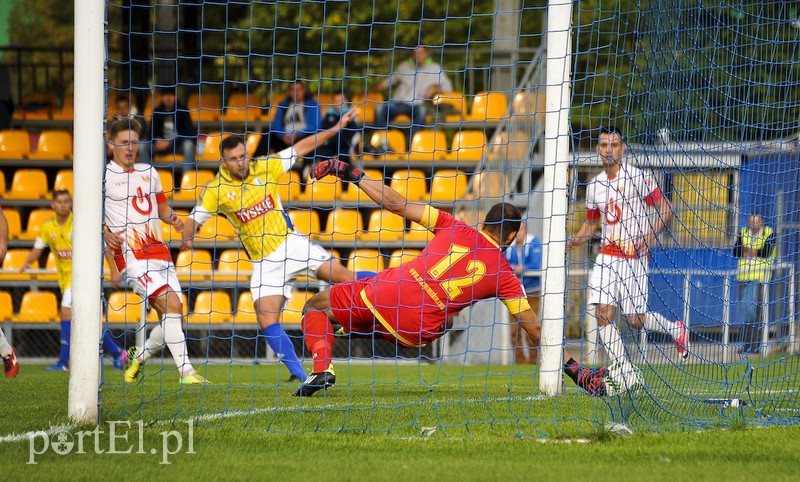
<point>526,255</point>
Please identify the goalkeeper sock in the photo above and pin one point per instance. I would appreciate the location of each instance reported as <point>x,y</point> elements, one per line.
<point>365,274</point>
<point>5,347</point>
<point>153,345</point>
<point>612,342</point>
<point>318,333</point>
<point>655,321</point>
<point>279,341</point>
<point>110,346</point>
<point>63,356</point>
<point>176,342</point>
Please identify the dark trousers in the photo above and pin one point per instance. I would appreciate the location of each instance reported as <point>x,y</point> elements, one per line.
<point>751,299</point>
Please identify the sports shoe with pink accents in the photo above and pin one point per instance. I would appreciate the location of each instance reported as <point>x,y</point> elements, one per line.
<point>682,342</point>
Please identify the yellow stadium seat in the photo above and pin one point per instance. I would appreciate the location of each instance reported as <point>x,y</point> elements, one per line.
<point>2,184</point>
<point>12,263</point>
<point>304,220</point>
<point>468,145</point>
<point>194,265</point>
<point>205,107</point>
<point>411,184</point>
<point>325,101</point>
<point>365,104</point>
<point>35,220</point>
<point>6,308</point>
<point>64,181</point>
<point>53,145</point>
<point>243,107</point>
<point>124,307</point>
<point>245,311</point>
<point>365,260</point>
<point>150,104</point>
<point>400,256</point>
<point>218,229</point>
<point>66,113</point>
<point>50,266</point>
<point>327,189</point>
<point>701,189</point>
<point>292,313</point>
<point>14,223</point>
<point>488,106</point>
<point>354,194</point>
<point>211,307</point>
<point>289,186</point>
<point>192,184</point>
<point>169,233</point>
<point>395,143</point>
<point>251,143</point>
<point>383,227</point>
<point>167,182</point>
<point>417,233</point>
<point>234,265</point>
<point>14,144</point>
<point>28,184</point>
<point>211,147</point>
<point>448,185</point>
<point>704,226</point>
<point>37,307</point>
<point>530,103</point>
<point>428,145</point>
<point>342,225</point>
<point>454,99</point>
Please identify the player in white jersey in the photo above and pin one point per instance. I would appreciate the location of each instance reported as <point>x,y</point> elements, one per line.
<point>7,352</point>
<point>621,199</point>
<point>135,206</point>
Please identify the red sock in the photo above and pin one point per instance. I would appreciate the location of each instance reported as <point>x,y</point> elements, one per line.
<point>318,333</point>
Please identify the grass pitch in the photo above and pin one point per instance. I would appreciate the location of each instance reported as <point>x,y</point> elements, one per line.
<point>381,422</point>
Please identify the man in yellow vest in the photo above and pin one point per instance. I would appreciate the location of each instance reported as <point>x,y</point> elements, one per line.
<point>755,248</point>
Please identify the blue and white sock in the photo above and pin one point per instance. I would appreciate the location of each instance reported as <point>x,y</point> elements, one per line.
<point>110,347</point>
<point>280,343</point>
<point>63,356</point>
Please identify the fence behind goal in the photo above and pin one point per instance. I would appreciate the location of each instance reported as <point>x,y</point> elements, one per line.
<point>710,117</point>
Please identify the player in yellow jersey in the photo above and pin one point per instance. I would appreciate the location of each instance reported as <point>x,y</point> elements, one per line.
<point>246,192</point>
<point>56,234</point>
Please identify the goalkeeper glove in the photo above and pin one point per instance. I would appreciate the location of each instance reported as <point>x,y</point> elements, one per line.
<point>335,167</point>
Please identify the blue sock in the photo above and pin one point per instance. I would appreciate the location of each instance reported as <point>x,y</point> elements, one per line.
<point>110,347</point>
<point>280,343</point>
<point>63,356</point>
<point>365,274</point>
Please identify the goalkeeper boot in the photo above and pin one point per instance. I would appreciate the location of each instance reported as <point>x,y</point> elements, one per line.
<point>134,368</point>
<point>316,382</point>
<point>682,342</point>
<point>10,364</point>
<point>194,379</point>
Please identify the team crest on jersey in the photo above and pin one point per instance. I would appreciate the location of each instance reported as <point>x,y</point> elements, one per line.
<point>231,196</point>
<point>146,178</point>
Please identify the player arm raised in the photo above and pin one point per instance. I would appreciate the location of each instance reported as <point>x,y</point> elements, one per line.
<point>309,144</point>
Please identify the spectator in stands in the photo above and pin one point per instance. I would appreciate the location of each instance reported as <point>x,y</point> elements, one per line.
<point>296,117</point>
<point>525,254</point>
<point>171,132</point>
<point>123,105</point>
<point>413,82</point>
<point>345,145</point>
<point>6,103</point>
<point>755,248</point>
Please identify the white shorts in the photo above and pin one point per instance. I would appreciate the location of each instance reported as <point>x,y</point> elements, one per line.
<point>150,277</point>
<point>621,281</point>
<point>297,256</point>
<point>66,298</point>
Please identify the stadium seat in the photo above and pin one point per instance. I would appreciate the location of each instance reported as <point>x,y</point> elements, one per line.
<point>67,110</point>
<point>53,145</point>
<point>342,225</point>
<point>150,104</point>
<point>211,147</point>
<point>366,104</point>
<point>289,186</point>
<point>167,182</point>
<point>354,194</point>
<point>14,144</point>
<point>14,223</point>
<point>252,141</point>
<point>169,233</point>
<point>2,184</point>
<point>6,307</point>
<point>417,233</point>
<point>234,265</point>
<point>529,103</point>
<point>701,189</point>
<point>217,229</point>
<point>37,307</point>
<point>383,227</point>
<point>448,185</point>
<point>192,184</point>
<point>64,181</point>
<point>365,260</point>
<point>304,220</point>
<point>700,226</point>
<point>468,145</point>
<point>194,265</point>
<point>124,307</point>
<point>393,141</point>
<point>12,263</point>
<point>400,256</point>
<point>245,311</point>
<point>50,267</point>
<point>38,106</point>
<point>211,307</point>
<point>456,102</point>
<point>205,107</point>
<point>242,107</point>
<point>292,313</point>
<point>428,145</point>
<point>34,225</point>
<point>28,184</point>
<point>327,189</point>
<point>488,106</point>
<point>410,184</point>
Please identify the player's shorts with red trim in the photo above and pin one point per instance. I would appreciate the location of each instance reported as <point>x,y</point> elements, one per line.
<point>350,304</point>
<point>149,278</point>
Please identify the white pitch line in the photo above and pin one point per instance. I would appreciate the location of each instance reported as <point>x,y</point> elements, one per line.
<point>21,437</point>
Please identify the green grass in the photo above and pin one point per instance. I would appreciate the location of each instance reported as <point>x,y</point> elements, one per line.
<point>384,422</point>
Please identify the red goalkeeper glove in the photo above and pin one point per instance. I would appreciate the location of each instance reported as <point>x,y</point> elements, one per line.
<point>335,167</point>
